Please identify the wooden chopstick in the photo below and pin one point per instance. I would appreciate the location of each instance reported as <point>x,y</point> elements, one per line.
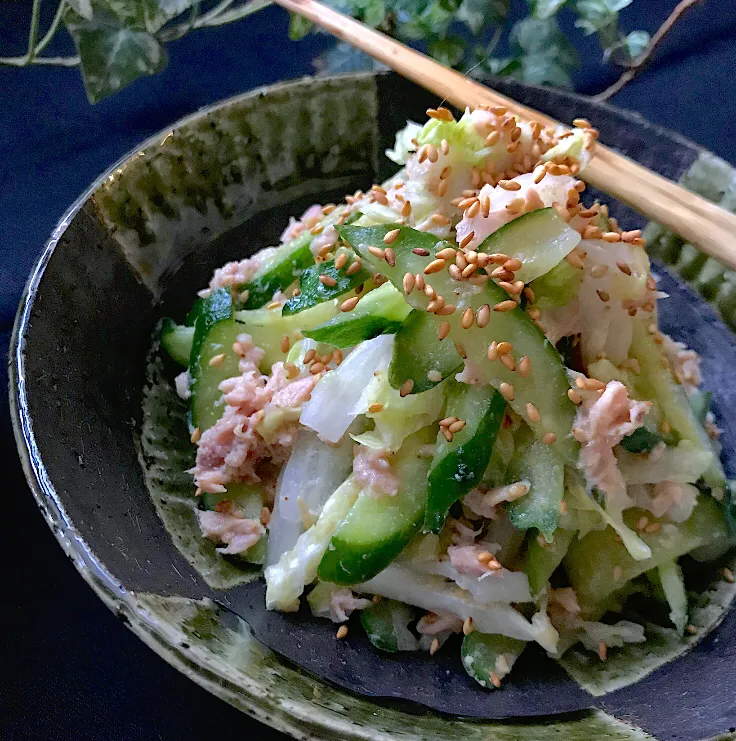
<point>706,225</point>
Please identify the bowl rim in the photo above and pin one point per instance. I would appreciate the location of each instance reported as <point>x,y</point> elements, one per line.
<point>283,717</point>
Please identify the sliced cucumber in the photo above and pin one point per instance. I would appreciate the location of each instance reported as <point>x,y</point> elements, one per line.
<point>419,353</point>
<point>459,465</point>
<point>537,463</point>
<point>386,625</point>
<point>248,498</point>
<point>542,560</point>
<point>557,287</point>
<point>591,562</point>
<point>377,528</point>
<point>215,331</point>
<point>313,291</point>
<point>177,340</point>
<point>540,239</point>
<point>280,270</point>
<point>484,654</point>
<point>269,327</point>
<point>545,386</point>
<point>380,311</point>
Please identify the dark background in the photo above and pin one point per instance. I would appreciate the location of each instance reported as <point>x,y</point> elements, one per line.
<point>68,668</point>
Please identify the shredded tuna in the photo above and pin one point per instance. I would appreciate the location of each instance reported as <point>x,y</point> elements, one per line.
<point>601,423</point>
<point>182,383</point>
<point>685,363</point>
<point>372,468</point>
<point>237,273</point>
<point>475,501</point>
<point>471,374</point>
<point>308,220</point>
<point>464,560</point>
<point>236,532</point>
<point>432,624</point>
<point>552,189</point>
<point>231,448</point>
<point>328,238</point>
<point>343,603</point>
<point>461,533</point>
<point>666,499</point>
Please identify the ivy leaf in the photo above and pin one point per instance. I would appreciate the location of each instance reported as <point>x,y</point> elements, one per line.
<point>476,14</point>
<point>449,51</point>
<point>544,53</point>
<point>299,27</point>
<point>343,58</point>
<point>503,66</point>
<point>636,42</point>
<point>595,15</point>
<point>159,12</point>
<point>546,8</point>
<point>113,50</point>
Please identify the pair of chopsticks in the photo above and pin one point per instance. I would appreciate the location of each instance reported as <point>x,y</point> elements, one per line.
<point>698,221</point>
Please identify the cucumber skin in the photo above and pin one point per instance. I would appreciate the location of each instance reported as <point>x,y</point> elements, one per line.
<point>312,291</point>
<point>177,340</point>
<point>480,651</point>
<point>459,465</point>
<point>541,561</point>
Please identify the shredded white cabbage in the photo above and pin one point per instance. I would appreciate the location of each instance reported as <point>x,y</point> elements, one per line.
<point>683,463</point>
<point>403,146</point>
<point>673,584</point>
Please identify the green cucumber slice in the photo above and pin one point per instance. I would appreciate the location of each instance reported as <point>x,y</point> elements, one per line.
<point>545,387</point>
<point>542,560</point>
<point>540,239</point>
<point>215,331</point>
<point>380,311</point>
<point>483,653</point>
<point>377,528</point>
<point>382,621</point>
<point>419,354</point>
<point>459,465</point>
<point>177,340</point>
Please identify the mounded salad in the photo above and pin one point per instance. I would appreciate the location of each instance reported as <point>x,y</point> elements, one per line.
<point>446,404</point>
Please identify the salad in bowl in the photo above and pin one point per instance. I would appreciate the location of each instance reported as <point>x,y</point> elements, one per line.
<point>446,405</point>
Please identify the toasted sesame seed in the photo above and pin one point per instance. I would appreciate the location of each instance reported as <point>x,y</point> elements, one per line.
<point>611,237</point>
<point>563,507</point>
<point>484,556</point>
<point>349,304</point>
<point>575,259</point>
<point>196,434</point>
<point>434,647</point>
<point>642,522</point>
<point>516,206</point>
<point>327,280</point>
<point>503,348</point>
<point>354,268</point>
<point>406,209</point>
<point>390,257</point>
<point>617,572</point>
<point>434,375</point>
<point>691,630</point>
<point>509,185</point>
<point>216,360</point>
<point>623,267</point>
<point>652,528</point>
<point>341,260</point>
<point>328,209</point>
<point>445,147</point>
<point>603,296</point>
<point>435,304</point>
<point>581,123</point>
<point>631,236</point>
<point>467,318</point>
<point>435,266</point>
<point>377,252</point>
<point>460,350</point>
<point>579,434</point>
<point>442,190</point>
<point>265,516</point>
<point>342,631</point>
<point>498,258</point>
<point>419,282</point>
<point>598,271</point>
<point>533,413</point>
<point>448,253</point>
<point>461,261</point>
<point>508,361</point>
<point>505,306</point>
<point>493,138</point>
<point>467,239</point>
<point>447,434</point>
<point>441,114</point>
<point>525,366</point>
<point>390,237</point>
<point>483,316</point>
<point>473,209</point>
<point>549,438</point>
<point>406,387</point>
<point>337,356</point>
<point>468,626</point>
<point>316,368</point>
<point>456,426</point>
<point>602,651</point>
<point>728,575</point>
<point>468,270</point>
<point>495,680</point>
<point>375,407</point>
<point>592,232</point>
<point>317,229</point>
<point>507,391</point>
<point>409,282</point>
<point>447,310</point>
<point>485,206</point>
<point>285,343</point>
<point>493,351</point>
<point>512,265</point>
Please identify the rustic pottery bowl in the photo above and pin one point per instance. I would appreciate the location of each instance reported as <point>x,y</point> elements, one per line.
<point>100,432</point>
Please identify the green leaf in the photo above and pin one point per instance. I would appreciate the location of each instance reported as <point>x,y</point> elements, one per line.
<point>449,51</point>
<point>503,66</point>
<point>595,15</point>
<point>299,27</point>
<point>114,50</point>
<point>547,8</point>
<point>343,58</point>
<point>544,53</point>
<point>476,14</point>
<point>636,42</point>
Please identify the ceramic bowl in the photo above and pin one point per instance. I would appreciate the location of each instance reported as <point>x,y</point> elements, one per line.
<point>217,186</point>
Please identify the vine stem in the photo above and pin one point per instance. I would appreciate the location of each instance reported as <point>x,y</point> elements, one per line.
<point>645,57</point>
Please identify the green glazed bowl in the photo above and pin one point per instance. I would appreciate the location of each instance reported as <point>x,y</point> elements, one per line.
<point>216,186</point>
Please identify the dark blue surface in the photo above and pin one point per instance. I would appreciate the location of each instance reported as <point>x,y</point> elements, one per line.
<point>69,669</point>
